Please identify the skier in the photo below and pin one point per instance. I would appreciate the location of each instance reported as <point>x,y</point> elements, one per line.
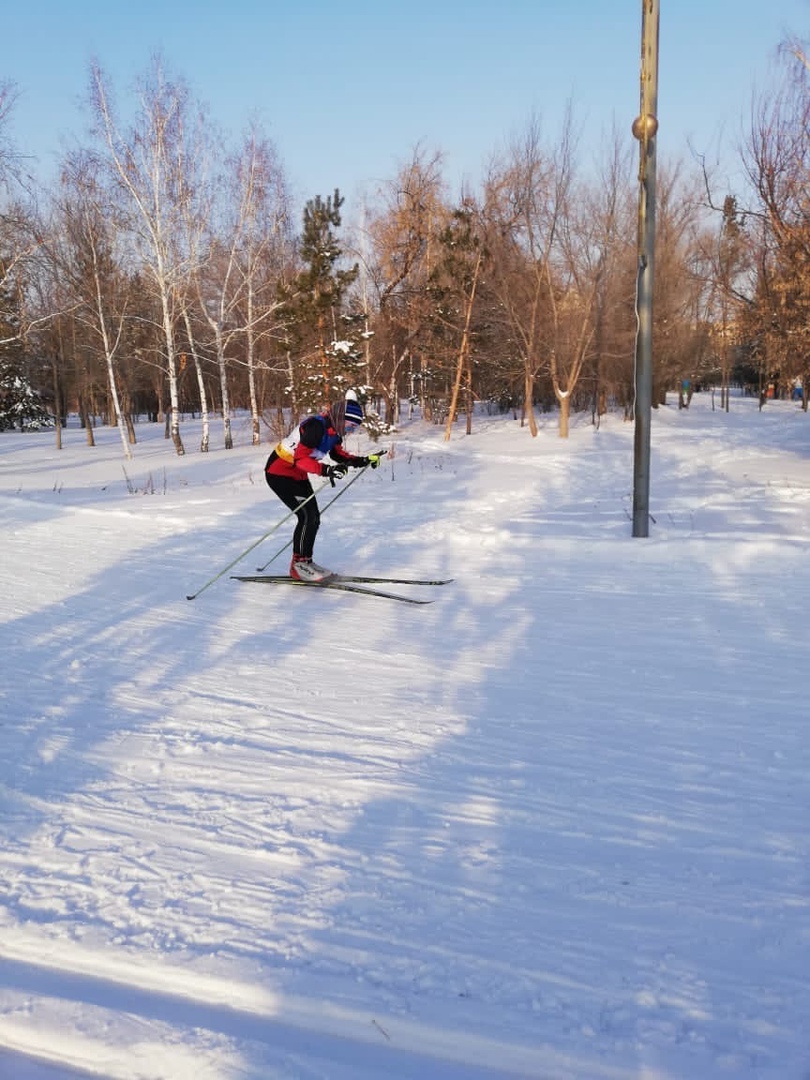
<point>302,454</point>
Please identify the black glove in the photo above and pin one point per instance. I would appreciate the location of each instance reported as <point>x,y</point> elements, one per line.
<point>334,472</point>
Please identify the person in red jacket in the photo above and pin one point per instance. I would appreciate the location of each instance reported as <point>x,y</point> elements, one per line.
<point>303,454</point>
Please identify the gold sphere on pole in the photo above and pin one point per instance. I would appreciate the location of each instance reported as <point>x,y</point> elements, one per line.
<point>645,127</point>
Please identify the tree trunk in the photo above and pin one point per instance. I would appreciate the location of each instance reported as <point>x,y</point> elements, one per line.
<point>565,413</point>
<point>119,419</point>
<point>171,363</point>
<point>251,369</point>
<point>293,395</point>
<point>86,421</point>
<point>470,398</point>
<point>57,401</point>
<point>463,351</point>
<point>205,437</point>
<point>528,402</point>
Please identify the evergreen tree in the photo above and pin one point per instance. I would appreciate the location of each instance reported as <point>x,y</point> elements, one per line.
<point>20,404</point>
<point>322,337</point>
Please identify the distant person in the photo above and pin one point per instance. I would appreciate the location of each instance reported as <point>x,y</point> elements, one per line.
<point>301,455</point>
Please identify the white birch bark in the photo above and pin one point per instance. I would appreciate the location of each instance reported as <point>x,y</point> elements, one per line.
<point>152,167</point>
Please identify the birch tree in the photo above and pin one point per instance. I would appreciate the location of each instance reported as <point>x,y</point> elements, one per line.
<point>247,224</point>
<point>197,360</point>
<point>85,254</point>
<point>155,166</point>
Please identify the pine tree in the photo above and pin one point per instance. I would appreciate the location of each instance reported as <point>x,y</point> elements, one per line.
<point>21,405</point>
<point>323,337</point>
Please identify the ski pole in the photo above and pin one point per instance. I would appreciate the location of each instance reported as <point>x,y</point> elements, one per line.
<point>270,532</point>
<point>344,488</point>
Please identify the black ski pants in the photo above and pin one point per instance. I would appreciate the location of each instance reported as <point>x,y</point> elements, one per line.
<point>293,493</point>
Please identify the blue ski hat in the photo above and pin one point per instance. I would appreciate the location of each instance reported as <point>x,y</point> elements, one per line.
<point>354,412</point>
<point>341,412</point>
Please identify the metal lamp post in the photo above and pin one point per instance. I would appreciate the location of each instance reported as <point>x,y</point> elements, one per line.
<point>645,129</point>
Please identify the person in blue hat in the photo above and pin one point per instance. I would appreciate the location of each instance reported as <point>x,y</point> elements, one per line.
<point>303,454</point>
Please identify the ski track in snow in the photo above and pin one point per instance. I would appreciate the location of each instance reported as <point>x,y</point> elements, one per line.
<point>552,826</point>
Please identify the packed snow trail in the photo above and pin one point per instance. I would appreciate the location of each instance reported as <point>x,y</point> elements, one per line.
<point>550,826</point>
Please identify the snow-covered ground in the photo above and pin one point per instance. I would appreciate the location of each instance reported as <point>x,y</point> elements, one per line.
<point>554,825</point>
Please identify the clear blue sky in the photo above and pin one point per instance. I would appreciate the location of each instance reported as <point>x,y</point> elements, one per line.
<point>347,90</point>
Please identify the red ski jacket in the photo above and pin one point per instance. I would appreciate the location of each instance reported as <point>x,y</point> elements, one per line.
<point>303,450</point>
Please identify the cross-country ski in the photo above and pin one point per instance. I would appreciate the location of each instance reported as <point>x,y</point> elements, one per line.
<point>334,584</point>
<point>356,579</point>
